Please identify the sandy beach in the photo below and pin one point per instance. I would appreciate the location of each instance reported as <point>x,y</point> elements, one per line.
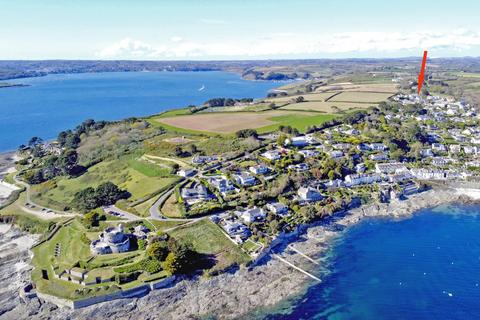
<point>242,291</point>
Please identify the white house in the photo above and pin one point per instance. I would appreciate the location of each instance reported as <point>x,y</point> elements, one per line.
<point>222,184</point>
<point>378,156</point>
<point>377,147</point>
<point>186,172</point>
<point>335,154</point>
<point>337,183</point>
<point>301,167</point>
<point>259,169</point>
<point>309,153</point>
<point>244,178</point>
<point>237,230</point>
<point>470,149</point>
<point>300,141</point>
<point>426,153</point>
<point>277,208</point>
<point>309,194</point>
<point>195,194</point>
<point>357,179</point>
<point>392,167</point>
<point>254,214</point>
<point>438,147</point>
<point>455,148</point>
<point>429,174</point>
<point>272,155</point>
<point>203,159</point>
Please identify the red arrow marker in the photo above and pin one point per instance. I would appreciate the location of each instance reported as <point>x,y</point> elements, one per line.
<point>421,76</point>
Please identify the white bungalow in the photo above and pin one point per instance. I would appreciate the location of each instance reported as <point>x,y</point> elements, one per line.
<point>259,169</point>
<point>254,214</point>
<point>244,178</point>
<point>309,194</point>
<point>272,155</point>
<point>277,208</point>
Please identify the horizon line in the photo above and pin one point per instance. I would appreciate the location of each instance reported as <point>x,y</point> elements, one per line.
<point>241,60</point>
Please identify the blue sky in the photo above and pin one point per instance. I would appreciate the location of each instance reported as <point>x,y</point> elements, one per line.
<point>236,29</point>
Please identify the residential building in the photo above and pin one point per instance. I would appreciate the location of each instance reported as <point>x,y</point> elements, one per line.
<point>309,194</point>
<point>272,155</point>
<point>195,194</point>
<point>244,178</point>
<point>277,208</point>
<point>254,214</point>
<point>259,169</point>
<point>186,172</point>
<point>357,179</point>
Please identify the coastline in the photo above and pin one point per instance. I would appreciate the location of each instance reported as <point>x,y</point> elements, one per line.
<point>244,291</point>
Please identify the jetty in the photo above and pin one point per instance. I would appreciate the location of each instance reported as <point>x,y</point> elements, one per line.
<point>297,268</point>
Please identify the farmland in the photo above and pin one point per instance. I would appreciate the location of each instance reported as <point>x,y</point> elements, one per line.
<point>360,97</point>
<point>227,123</point>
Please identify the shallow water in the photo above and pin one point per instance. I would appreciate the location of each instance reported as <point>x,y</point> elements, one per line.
<point>426,267</point>
<point>57,102</point>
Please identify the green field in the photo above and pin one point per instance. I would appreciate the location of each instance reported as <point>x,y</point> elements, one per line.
<point>297,120</point>
<point>207,238</point>
<point>139,178</point>
<point>326,107</point>
<point>468,74</point>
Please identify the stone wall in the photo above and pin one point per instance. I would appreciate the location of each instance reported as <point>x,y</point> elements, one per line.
<point>121,294</point>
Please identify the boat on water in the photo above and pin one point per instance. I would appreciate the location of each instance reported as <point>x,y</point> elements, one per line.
<point>202,88</point>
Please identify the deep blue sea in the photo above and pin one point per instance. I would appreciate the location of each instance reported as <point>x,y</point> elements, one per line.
<point>57,102</point>
<point>426,267</point>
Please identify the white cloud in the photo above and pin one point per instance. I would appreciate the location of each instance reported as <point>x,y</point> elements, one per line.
<point>128,48</point>
<point>290,44</point>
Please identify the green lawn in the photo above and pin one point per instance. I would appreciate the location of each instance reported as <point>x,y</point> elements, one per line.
<point>207,238</point>
<point>133,179</point>
<point>71,250</point>
<point>163,225</point>
<point>297,120</point>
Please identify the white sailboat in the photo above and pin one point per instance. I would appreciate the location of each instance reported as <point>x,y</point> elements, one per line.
<point>202,88</point>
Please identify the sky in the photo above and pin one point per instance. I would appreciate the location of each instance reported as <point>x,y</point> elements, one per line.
<point>236,29</point>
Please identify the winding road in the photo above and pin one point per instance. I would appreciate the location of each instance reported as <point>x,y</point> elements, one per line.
<point>39,211</point>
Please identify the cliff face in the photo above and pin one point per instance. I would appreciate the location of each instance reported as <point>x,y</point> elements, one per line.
<point>14,269</point>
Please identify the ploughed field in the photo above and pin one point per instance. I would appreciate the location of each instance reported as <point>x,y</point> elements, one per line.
<point>298,110</point>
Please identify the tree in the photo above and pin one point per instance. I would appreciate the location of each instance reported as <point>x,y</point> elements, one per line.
<point>178,151</point>
<point>35,141</point>
<point>157,250</point>
<point>171,264</point>
<point>90,219</point>
<point>246,133</point>
<point>281,139</point>
<point>299,99</point>
<point>67,161</point>
<point>191,148</point>
<point>108,193</point>
<point>85,199</point>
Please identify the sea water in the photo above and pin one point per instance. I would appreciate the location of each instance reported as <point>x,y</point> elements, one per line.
<point>54,103</point>
<point>424,267</point>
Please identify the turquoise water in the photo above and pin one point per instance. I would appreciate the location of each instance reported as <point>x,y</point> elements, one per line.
<point>58,102</point>
<point>426,267</point>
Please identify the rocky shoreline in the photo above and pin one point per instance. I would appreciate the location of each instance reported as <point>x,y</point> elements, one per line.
<point>241,292</point>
